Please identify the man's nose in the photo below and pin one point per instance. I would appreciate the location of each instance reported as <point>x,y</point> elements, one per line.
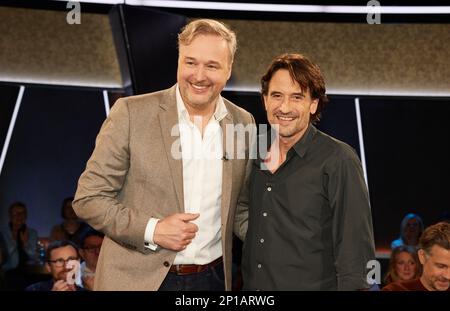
<point>447,274</point>
<point>200,73</point>
<point>284,105</point>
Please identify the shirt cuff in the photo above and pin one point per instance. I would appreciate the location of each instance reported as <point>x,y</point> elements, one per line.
<point>149,231</point>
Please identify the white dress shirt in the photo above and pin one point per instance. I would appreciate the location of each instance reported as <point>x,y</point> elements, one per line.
<point>202,184</point>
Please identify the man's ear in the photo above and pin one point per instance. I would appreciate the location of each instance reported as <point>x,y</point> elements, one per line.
<point>230,69</point>
<point>314,105</point>
<point>47,266</point>
<point>422,256</point>
<point>264,97</point>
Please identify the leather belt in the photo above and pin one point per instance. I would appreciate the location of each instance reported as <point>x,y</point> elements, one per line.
<point>190,269</point>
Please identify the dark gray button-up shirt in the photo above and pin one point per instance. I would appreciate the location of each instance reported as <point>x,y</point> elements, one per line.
<point>310,225</point>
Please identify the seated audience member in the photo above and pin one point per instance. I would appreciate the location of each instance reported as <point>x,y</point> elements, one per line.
<point>71,228</point>
<point>434,255</point>
<point>91,242</point>
<point>20,247</point>
<point>20,240</point>
<point>410,230</point>
<point>61,258</point>
<point>404,265</point>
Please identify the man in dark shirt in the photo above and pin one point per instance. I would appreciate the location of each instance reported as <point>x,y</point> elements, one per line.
<point>434,255</point>
<point>63,262</point>
<point>306,203</point>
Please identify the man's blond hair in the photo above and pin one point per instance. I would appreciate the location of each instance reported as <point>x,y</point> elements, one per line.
<point>208,27</point>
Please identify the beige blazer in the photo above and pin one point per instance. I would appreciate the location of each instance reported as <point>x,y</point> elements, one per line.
<point>132,176</point>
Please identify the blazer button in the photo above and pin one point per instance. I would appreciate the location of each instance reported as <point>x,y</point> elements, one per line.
<point>166,264</point>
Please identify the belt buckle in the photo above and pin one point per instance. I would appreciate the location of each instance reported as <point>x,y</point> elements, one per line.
<point>201,268</point>
<point>178,268</point>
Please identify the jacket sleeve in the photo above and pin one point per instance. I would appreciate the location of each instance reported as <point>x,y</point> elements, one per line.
<point>96,199</point>
<point>352,224</point>
<point>241,216</point>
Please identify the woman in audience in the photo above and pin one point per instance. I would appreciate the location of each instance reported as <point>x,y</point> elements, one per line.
<point>411,229</point>
<point>404,265</point>
<point>71,228</point>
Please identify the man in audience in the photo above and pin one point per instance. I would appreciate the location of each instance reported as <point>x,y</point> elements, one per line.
<point>63,261</point>
<point>434,255</point>
<point>91,242</point>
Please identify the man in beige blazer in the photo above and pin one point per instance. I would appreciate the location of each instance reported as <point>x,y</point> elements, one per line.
<point>167,212</point>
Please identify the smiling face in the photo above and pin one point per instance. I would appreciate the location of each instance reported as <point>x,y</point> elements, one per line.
<point>204,67</point>
<point>436,268</point>
<point>58,262</point>
<point>288,106</point>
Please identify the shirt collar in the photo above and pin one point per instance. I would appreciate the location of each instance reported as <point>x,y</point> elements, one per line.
<point>299,147</point>
<point>302,145</point>
<point>219,113</point>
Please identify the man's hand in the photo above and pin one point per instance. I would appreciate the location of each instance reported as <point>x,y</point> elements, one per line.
<point>88,282</point>
<point>63,286</point>
<point>176,231</point>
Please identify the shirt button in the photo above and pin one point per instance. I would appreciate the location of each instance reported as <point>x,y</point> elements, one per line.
<point>265,214</point>
<point>259,266</point>
<point>166,264</point>
<point>262,240</point>
<point>269,188</point>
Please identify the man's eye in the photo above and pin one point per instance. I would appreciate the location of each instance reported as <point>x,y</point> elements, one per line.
<point>211,67</point>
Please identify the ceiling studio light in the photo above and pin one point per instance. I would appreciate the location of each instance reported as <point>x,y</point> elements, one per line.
<point>293,8</point>
<point>281,8</point>
<point>96,1</point>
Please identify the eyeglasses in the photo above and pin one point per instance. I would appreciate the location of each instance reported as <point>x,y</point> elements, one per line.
<point>62,262</point>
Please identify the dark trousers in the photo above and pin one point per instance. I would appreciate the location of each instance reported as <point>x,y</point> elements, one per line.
<point>212,279</point>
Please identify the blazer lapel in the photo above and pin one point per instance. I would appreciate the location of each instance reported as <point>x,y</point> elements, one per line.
<point>168,119</point>
<point>227,168</point>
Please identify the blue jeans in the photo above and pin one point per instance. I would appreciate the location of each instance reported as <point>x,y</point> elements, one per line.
<point>212,279</point>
